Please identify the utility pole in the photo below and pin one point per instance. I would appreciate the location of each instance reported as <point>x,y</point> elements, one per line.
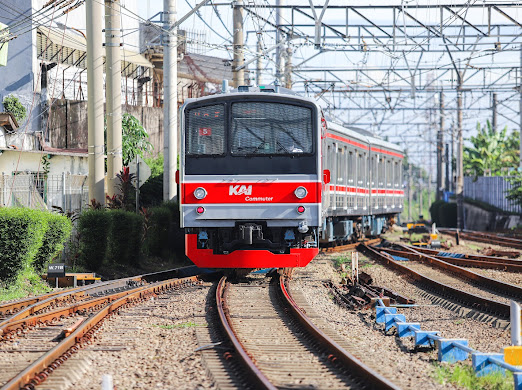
<point>288,65</point>
<point>113,92</point>
<point>420,194</point>
<point>410,197</point>
<point>96,176</point>
<point>259,64</point>
<point>279,57</point>
<point>520,110</point>
<point>239,55</point>
<point>448,162</point>
<point>494,109</point>
<point>440,148</point>
<point>460,162</point>
<point>170,100</point>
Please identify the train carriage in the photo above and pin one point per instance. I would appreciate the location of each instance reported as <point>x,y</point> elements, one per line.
<point>255,172</point>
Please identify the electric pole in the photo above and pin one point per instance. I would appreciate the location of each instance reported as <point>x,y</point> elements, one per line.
<point>520,110</point>
<point>460,162</point>
<point>113,91</point>
<point>279,57</point>
<point>170,100</point>
<point>440,149</point>
<point>288,65</point>
<point>494,109</point>
<point>95,141</point>
<point>259,64</point>
<point>410,197</point>
<point>239,55</point>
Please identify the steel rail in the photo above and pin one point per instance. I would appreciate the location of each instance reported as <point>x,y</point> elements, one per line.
<point>28,307</point>
<point>489,259</point>
<point>463,273</point>
<point>461,262</point>
<point>13,307</point>
<point>372,378</point>
<point>488,305</point>
<point>79,292</point>
<point>40,369</point>
<point>247,360</point>
<point>347,247</point>
<point>485,238</point>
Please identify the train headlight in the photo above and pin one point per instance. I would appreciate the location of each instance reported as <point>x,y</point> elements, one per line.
<point>300,192</point>
<point>200,193</point>
<point>301,209</point>
<point>200,210</point>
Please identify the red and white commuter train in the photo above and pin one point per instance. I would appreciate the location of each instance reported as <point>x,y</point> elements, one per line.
<point>264,179</point>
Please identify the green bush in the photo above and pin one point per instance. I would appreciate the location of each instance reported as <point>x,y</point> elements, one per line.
<point>448,215</point>
<point>434,211</point>
<point>12,104</point>
<point>21,231</point>
<point>93,228</point>
<point>125,237</point>
<point>157,238</point>
<point>58,231</point>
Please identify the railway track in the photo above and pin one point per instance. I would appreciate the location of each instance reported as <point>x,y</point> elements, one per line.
<point>54,342</point>
<point>348,247</point>
<point>486,238</point>
<point>450,286</point>
<point>279,346</point>
<point>478,261</point>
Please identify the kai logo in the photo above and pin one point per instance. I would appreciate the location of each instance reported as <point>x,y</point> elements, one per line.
<point>240,190</point>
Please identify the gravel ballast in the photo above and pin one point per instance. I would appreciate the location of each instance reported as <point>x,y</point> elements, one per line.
<point>151,345</point>
<point>399,360</point>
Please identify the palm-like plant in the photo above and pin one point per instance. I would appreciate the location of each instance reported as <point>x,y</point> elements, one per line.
<point>491,151</point>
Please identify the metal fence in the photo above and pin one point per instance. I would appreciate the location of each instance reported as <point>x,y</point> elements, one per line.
<point>490,190</point>
<point>39,191</point>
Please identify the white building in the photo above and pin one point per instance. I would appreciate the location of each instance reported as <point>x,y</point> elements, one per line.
<point>47,57</point>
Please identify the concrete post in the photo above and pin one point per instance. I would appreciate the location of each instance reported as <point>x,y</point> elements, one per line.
<point>494,112</point>
<point>113,85</point>
<point>279,57</point>
<point>440,149</point>
<point>94,10</point>
<point>239,55</point>
<point>259,64</point>
<point>170,101</point>
<point>288,65</point>
<point>460,162</point>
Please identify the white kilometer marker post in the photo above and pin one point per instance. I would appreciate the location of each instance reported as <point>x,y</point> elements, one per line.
<point>516,326</point>
<point>355,267</point>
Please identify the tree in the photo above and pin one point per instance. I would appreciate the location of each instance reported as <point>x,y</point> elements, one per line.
<point>135,139</point>
<point>514,194</point>
<point>13,105</point>
<point>491,151</point>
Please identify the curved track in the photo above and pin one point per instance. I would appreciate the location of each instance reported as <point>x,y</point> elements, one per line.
<point>471,300</point>
<point>77,335</point>
<point>278,344</point>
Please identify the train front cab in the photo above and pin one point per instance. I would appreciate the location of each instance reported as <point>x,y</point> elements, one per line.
<point>249,174</point>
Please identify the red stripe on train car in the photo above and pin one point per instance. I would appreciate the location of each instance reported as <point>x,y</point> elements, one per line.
<point>377,150</point>
<point>348,141</point>
<point>274,192</point>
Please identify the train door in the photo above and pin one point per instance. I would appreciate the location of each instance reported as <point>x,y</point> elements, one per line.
<point>366,182</point>
<point>352,177</point>
<point>327,187</point>
<point>340,177</point>
<point>389,185</point>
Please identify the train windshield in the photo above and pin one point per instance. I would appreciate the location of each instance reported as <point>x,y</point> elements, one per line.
<point>261,128</point>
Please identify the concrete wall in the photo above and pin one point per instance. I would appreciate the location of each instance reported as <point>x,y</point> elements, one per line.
<point>31,161</point>
<point>68,124</point>
<point>482,220</point>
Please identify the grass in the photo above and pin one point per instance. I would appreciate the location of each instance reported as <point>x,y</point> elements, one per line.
<point>28,283</point>
<point>464,376</point>
<point>363,262</point>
